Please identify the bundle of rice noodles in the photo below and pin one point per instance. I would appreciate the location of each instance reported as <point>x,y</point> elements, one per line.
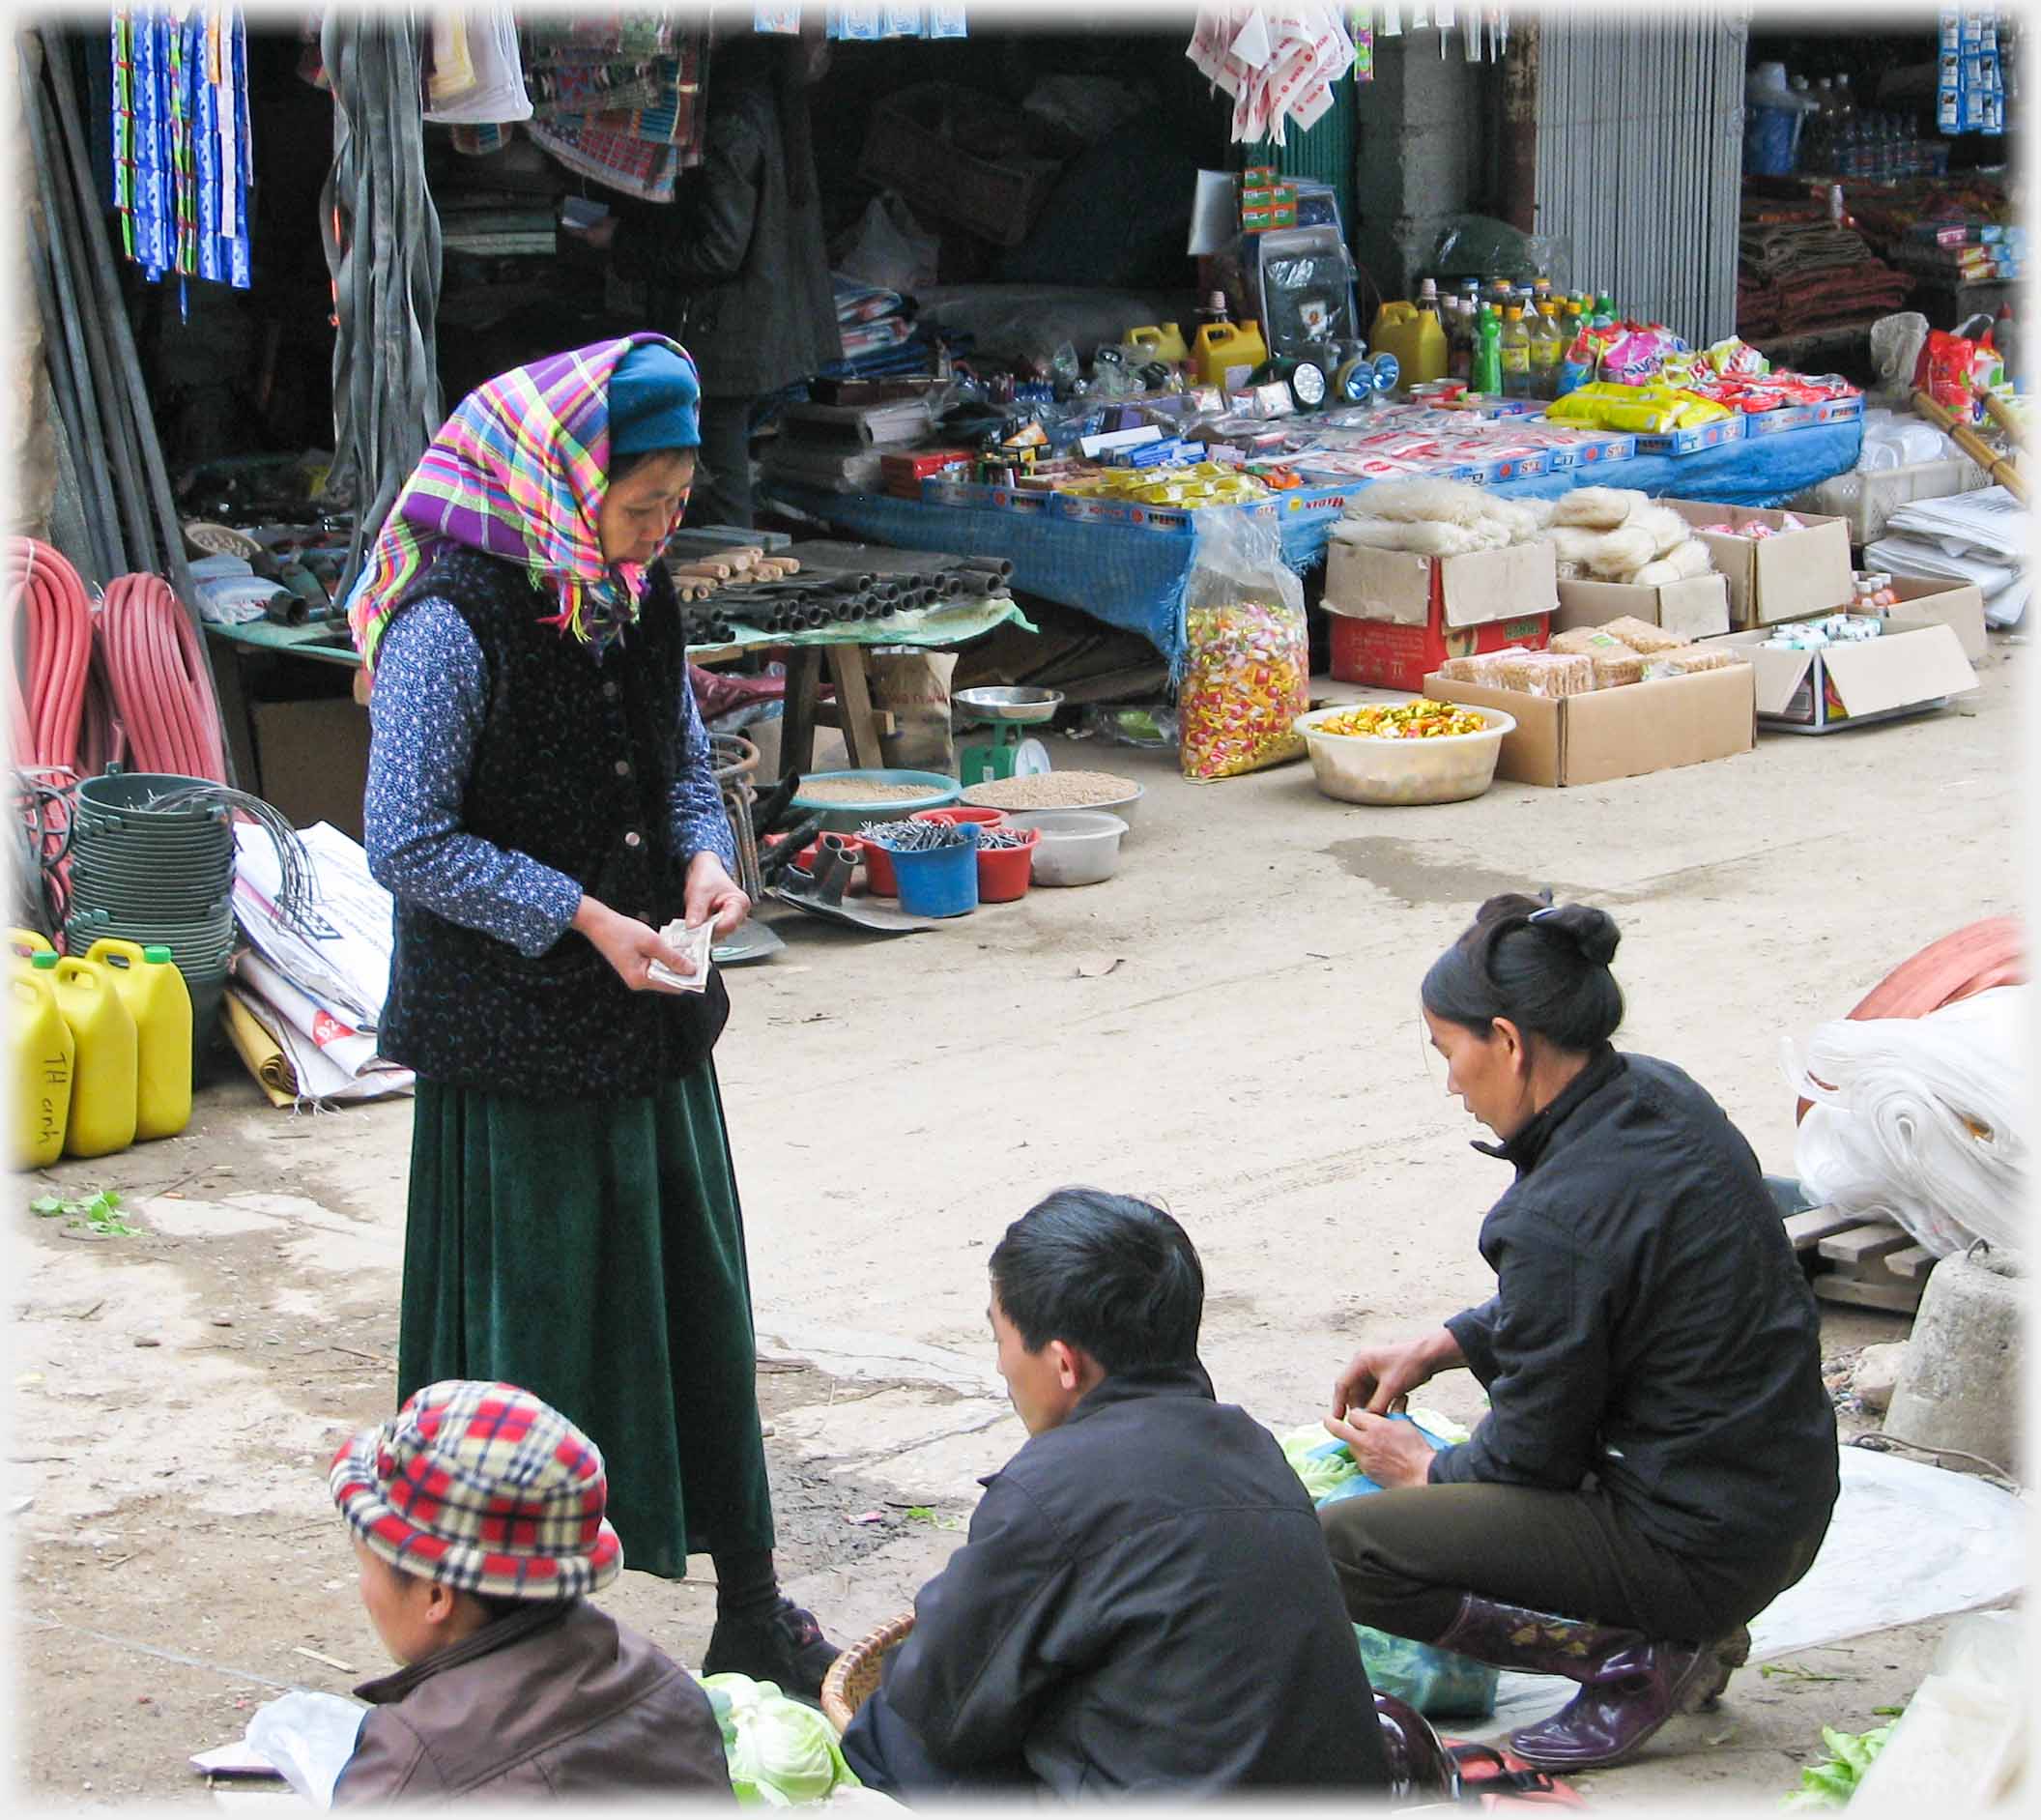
<point>1599,508</point>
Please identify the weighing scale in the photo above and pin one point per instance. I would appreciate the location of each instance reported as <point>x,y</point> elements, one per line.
<point>999,752</point>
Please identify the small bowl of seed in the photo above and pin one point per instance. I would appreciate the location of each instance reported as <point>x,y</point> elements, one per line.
<point>1053,793</point>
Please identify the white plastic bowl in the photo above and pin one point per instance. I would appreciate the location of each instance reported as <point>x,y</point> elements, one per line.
<point>1394,772</point>
<point>1077,845</point>
<point>1124,807</point>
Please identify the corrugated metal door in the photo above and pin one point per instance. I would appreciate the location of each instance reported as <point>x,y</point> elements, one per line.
<point>1640,161</point>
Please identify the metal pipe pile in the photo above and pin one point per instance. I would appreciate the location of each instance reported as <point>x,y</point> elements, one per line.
<point>820,596</point>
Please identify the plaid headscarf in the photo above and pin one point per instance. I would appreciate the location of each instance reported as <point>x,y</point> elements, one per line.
<point>518,470</point>
<point>484,1488</point>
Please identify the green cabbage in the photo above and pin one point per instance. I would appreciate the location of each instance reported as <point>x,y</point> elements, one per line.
<point>782,1753</point>
<point>1831,1782</point>
<point>1320,1474</point>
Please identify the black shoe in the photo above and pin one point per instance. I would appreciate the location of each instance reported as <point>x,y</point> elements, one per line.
<point>785,1646</point>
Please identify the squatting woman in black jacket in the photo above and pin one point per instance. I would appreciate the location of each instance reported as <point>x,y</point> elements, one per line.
<point>1658,1461</point>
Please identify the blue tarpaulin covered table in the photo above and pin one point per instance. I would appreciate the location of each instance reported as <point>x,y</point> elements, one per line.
<point>1134,578</point>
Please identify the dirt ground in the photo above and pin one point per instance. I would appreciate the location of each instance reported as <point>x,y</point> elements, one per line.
<point>1230,1025</point>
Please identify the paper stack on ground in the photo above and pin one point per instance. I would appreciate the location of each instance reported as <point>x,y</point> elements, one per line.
<point>1982,538</point>
<point>304,1007</point>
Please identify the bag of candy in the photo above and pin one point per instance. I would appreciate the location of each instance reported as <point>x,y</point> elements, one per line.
<point>1247,651</point>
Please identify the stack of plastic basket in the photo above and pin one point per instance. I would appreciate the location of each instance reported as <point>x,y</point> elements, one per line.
<point>154,875</point>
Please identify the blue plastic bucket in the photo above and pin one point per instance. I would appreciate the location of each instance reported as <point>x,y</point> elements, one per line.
<point>939,880</point>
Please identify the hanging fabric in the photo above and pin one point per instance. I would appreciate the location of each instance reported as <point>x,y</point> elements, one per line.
<point>621,98</point>
<point>477,71</point>
<point>183,161</point>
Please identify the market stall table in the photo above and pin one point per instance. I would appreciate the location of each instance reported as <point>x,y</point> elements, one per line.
<point>1134,578</point>
<point>841,647</point>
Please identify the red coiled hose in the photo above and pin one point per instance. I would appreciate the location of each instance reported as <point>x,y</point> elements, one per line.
<point>162,689</point>
<point>50,614</point>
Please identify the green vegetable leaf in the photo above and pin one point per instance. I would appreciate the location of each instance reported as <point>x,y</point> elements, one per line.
<point>46,1205</point>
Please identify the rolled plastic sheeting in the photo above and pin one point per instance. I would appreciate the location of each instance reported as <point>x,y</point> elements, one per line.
<point>1920,1120</point>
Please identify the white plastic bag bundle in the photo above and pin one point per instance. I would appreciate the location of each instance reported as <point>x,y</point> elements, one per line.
<point>1920,1120</point>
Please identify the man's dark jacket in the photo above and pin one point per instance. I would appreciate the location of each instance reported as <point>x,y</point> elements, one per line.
<point>1651,1324</point>
<point>1144,1605</point>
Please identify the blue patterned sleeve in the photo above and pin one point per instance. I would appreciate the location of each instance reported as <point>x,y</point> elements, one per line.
<point>425,713</point>
<point>699,819</point>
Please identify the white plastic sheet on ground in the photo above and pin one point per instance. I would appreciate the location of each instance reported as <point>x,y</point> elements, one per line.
<point>1962,1544</point>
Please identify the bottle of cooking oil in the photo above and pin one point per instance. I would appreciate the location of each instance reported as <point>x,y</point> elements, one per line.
<point>1546,347</point>
<point>155,994</point>
<point>46,1055</point>
<point>1515,353</point>
<point>103,1093</point>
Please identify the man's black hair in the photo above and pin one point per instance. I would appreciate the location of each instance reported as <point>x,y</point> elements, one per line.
<point>1111,1274</point>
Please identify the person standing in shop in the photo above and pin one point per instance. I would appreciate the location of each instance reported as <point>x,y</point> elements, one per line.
<point>735,266</point>
<point>540,805</point>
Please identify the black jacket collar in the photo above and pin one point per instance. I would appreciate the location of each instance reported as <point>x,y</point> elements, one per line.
<point>1189,1379</point>
<point>499,1634</point>
<point>1531,1142</point>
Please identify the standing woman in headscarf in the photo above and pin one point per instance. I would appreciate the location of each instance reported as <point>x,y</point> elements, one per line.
<point>736,265</point>
<point>540,804</point>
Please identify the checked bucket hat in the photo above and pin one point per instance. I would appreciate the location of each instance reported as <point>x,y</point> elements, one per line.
<point>484,1488</point>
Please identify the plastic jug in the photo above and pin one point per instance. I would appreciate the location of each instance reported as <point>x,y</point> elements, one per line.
<point>27,941</point>
<point>103,1089</point>
<point>155,994</point>
<point>1164,342</point>
<point>1414,337</point>
<point>44,1058</point>
<point>1224,345</point>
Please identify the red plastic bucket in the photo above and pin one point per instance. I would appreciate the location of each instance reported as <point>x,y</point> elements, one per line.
<point>968,812</point>
<point>1003,871</point>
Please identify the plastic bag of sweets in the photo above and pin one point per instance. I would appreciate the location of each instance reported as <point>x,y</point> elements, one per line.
<point>1247,652</point>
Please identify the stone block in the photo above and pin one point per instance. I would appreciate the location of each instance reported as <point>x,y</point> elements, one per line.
<point>1961,1384</point>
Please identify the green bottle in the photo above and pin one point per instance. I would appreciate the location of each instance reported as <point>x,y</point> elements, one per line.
<point>1486,373</point>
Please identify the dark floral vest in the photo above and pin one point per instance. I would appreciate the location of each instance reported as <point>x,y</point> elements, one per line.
<point>575,766</point>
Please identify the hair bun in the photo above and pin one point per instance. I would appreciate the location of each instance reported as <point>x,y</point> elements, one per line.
<point>1592,931</point>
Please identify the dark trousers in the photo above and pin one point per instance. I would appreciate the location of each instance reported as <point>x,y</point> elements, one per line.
<point>1405,1559</point>
<point>888,1755</point>
<point>722,495</point>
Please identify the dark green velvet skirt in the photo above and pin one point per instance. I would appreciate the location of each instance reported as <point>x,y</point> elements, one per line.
<point>593,1252</point>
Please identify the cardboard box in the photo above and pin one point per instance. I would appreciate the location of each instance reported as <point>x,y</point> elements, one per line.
<point>1627,732</point>
<point>1697,607</point>
<point>1793,577</point>
<point>1398,617</point>
<point>1957,605</point>
<point>312,761</point>
<point>1909,669</point>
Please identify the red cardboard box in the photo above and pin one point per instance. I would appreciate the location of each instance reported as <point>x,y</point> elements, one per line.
<point>1395,618</point>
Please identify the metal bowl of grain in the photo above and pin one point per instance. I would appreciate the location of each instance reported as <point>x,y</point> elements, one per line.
<point>846,800</point>
<point>1052,792</point>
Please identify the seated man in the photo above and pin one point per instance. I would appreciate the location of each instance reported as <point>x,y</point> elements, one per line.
<point>476,1517</point>
<point>1144,1605</point>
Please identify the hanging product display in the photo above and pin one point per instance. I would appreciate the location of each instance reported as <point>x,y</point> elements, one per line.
<point>1969,96</point>
<point>182,158</point>
<point>869,22</point>
<point>1277,62</point>
<point>622,100</point>
<point>477,72</point>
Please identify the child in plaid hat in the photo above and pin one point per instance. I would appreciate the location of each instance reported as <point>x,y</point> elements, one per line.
<point>478,1518</point>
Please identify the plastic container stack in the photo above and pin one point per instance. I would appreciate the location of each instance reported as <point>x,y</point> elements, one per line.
<point>148,876</point>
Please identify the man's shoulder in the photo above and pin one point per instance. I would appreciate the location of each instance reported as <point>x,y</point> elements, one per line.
<point>1161,1456</point>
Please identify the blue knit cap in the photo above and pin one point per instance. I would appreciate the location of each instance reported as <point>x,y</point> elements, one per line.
<point>654,401</point>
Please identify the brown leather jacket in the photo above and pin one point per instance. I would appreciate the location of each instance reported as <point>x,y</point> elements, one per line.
<point>556,1701</point>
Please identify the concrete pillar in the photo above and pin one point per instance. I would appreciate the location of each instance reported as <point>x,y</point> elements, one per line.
<point>1419,154</point>
<point>1960,1385</point>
